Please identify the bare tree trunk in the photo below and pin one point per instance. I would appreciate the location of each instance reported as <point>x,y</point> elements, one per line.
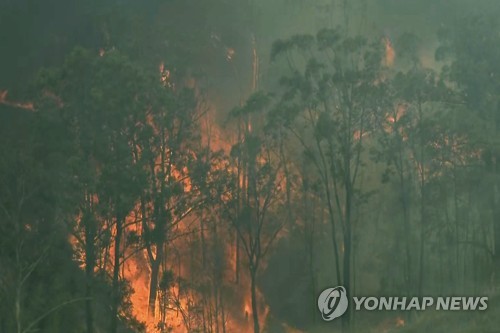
<point>255,308</point>
<point>346,319</point>
<point>89,276</point>
<point>288,187</point>
<point>216,307</point>
<point>422,206</point>
<point>404,193</point>
<point>115,302</point>
<point>239,189</point>
<point>457,228</point>
<point>18,301</point>
<point>223,314</point>
<point>237,268</point>
<point>331,213</point>
<point>203,241</point>
<point>309,213</point>
<point>153,283</point>
<point>90,232</point>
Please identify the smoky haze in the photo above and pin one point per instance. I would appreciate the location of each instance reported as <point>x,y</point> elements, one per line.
<point>215,166</point>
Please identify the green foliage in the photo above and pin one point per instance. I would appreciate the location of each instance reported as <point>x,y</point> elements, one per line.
<point>110,142</point>
<point>36,198</point>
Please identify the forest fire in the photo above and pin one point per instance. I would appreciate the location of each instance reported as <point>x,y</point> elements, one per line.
<point>138,273</point>
<point>237,319</point>
<point>178,307</point>
<point>211,166</point>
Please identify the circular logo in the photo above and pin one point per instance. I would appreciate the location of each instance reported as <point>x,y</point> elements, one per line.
<point>332,303</point>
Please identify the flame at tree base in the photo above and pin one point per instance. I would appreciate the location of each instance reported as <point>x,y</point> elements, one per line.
<point>190,308</point>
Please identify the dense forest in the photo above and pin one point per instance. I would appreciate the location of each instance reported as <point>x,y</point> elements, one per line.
<point>212,166</point>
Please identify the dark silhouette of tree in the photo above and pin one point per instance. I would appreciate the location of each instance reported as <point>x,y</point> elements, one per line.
<point>329,104</point>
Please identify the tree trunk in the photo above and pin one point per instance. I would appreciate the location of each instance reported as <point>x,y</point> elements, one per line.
<point>422,234</point>
<point>223,313</point>
<point>326,183</point>
<point>422,201</point>
<point>404,193</point>
<point>89,276</point>
<point>255,311</point>
<point>115,302</point>
<point>237,264</point>
<point>153,283</point>
<point>346,319</point>
<point>18,301</point>
<point>202,241</point>
<point>309,213</point>
<point>288,187</point>
<point>90,232</point>
<point>457,229</point>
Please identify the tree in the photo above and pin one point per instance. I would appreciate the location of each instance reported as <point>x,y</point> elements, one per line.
<point>417,90</point>
<point>166,154</point>
<point>470,48</point>
<point>329,104</point>
<point>252,217</point>
<point>102,100</point>
<point>35,200</point>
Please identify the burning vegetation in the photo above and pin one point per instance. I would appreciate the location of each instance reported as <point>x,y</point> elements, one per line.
<point>173,180</point>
